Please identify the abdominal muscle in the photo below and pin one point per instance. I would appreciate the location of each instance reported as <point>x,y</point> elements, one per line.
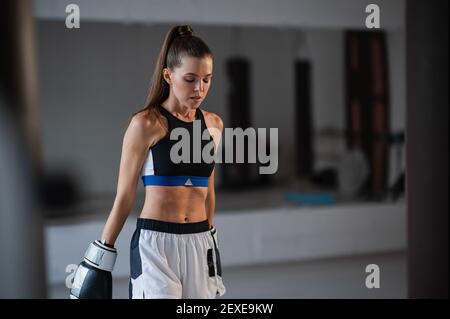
<point>177,204</point>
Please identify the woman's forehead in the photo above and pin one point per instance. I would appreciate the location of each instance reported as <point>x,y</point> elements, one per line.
<point>196,66</point>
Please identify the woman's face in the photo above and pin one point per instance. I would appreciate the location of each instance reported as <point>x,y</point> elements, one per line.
<point>191,80</point>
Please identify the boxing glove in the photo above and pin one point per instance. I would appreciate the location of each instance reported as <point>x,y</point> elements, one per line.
<point>93,279</point>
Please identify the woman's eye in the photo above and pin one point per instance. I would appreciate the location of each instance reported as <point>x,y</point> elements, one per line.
<point>192,80</point>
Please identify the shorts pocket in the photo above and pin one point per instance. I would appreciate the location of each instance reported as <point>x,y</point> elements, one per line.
<point>210,262</point>
<point>218,264</point>
<point>213,232</point>
<point>135,256</point>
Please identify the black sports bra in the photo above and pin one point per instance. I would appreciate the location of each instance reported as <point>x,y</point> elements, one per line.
<point>193,170</point>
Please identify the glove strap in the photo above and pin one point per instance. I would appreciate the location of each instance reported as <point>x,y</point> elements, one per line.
<point>100,256</point>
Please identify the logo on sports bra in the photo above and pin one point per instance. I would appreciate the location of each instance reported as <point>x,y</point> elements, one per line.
<point>188,182</point>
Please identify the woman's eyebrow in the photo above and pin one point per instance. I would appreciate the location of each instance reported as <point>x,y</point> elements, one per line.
<point>190,73</point>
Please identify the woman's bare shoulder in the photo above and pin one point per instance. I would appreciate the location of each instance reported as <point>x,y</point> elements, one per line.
<point>147,126</point>
<point>213,120</point>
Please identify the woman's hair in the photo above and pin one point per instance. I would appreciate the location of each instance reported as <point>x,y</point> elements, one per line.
<point>180,41</point>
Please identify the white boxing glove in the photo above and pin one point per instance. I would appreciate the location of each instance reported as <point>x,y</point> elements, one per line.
<point>93,279</point>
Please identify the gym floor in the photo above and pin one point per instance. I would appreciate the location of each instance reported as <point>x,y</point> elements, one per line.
<point>339,278</point>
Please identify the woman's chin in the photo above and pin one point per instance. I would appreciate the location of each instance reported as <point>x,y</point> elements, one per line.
<point>194,103</point>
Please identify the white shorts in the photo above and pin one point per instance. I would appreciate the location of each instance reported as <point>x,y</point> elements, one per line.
<point>171,260</point>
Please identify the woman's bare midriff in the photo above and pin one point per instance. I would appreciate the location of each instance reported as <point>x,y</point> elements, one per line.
<point>177,204</point>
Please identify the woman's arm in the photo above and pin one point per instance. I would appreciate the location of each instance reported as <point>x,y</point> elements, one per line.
<point>210,203</point>
<point>216,130</point>
<point>134,149</point>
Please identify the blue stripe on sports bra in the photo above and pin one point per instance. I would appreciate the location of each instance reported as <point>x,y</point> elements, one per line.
<point>160,180</point>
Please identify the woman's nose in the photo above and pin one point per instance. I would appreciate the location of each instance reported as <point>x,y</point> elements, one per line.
<point>199,86</point>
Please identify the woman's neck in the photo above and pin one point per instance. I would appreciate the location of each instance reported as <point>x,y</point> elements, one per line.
<point>173,106</point>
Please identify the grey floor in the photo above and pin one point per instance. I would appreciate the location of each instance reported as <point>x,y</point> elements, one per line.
<point>342,277</point>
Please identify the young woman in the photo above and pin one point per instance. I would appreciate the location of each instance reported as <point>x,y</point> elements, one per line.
<point>174,248</point>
